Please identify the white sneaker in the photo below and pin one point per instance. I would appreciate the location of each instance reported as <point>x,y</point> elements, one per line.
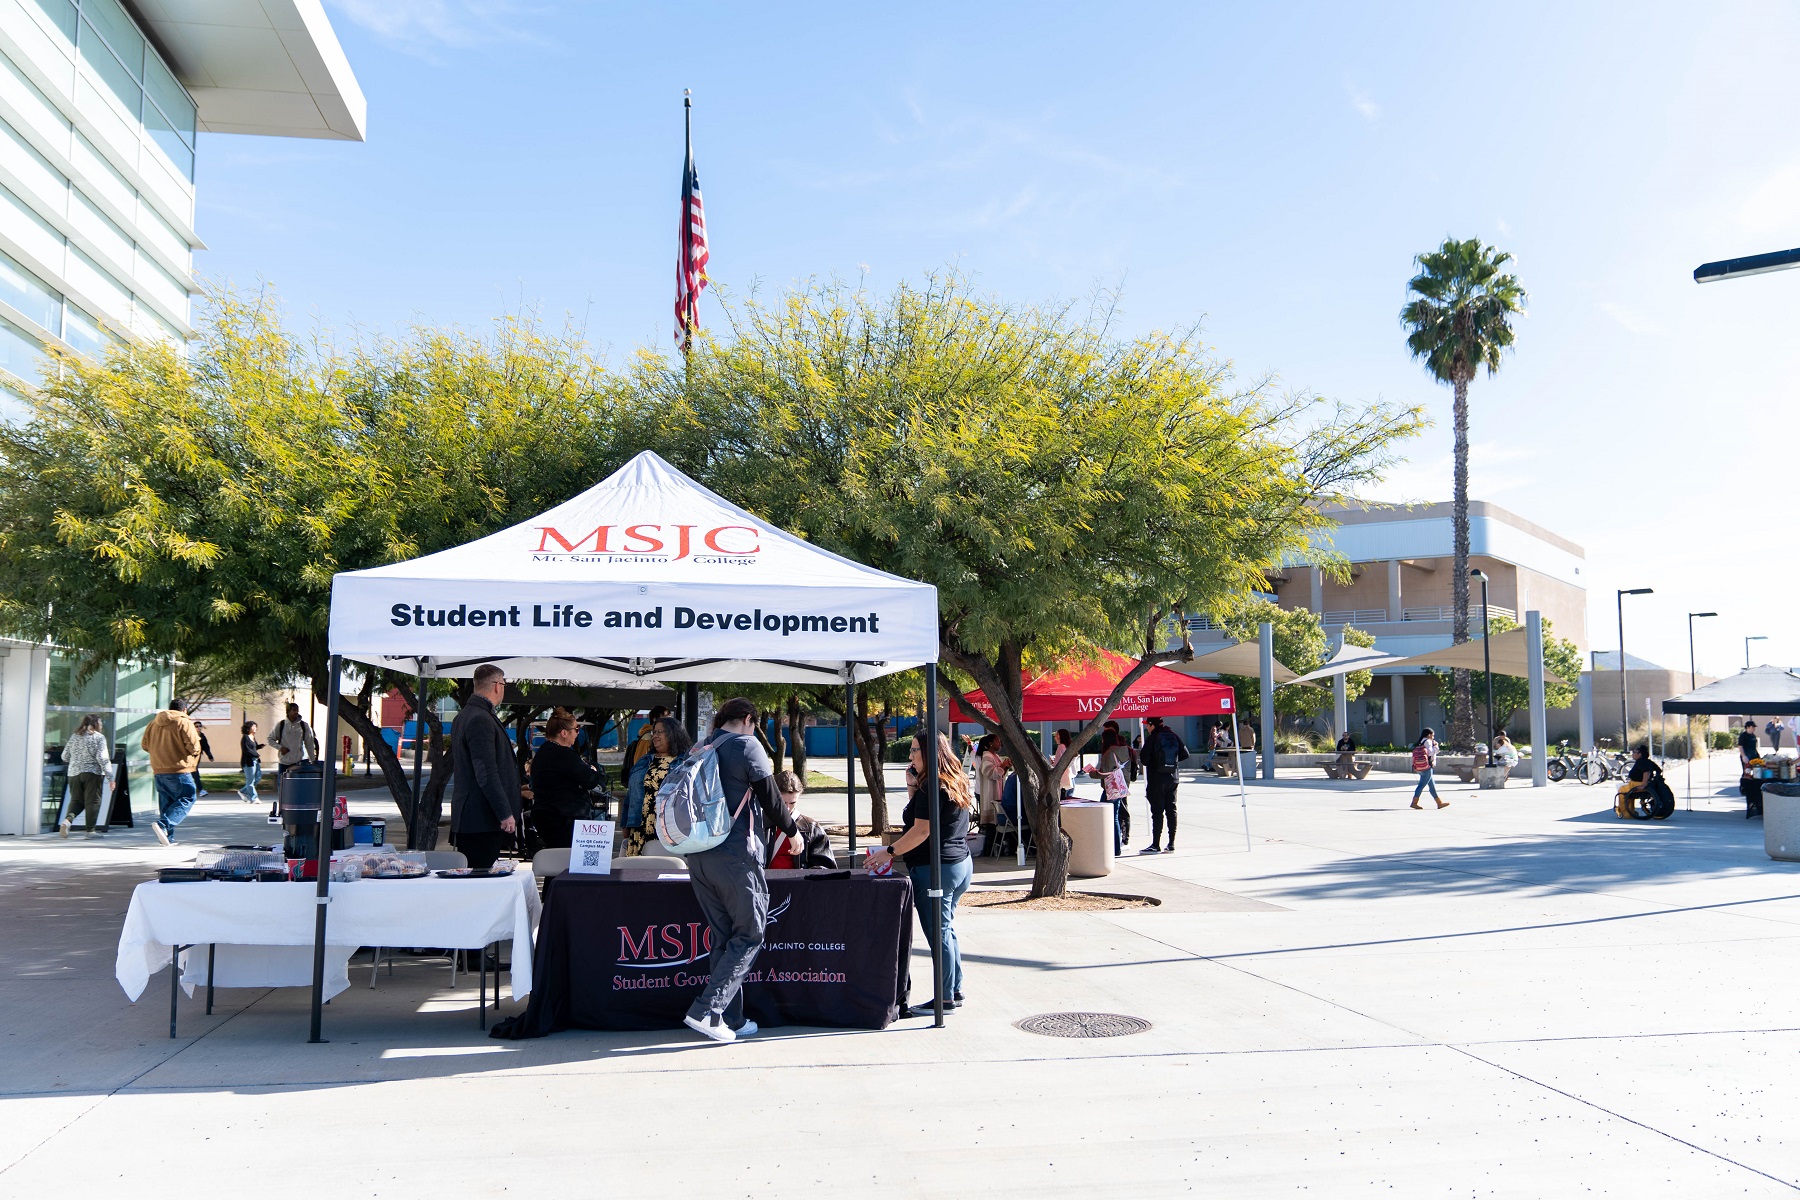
<point>202,793</point>
<point>162,835</point>
<point>65,828</point>
<point>748,1029</point>
<point>713,1027</point>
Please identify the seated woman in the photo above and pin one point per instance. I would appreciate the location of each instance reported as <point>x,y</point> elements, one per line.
<point>668,741</point>
<point>560,782</point>
<point>1346,755</point>
<point>815,845</point>
<point>1505,753</point>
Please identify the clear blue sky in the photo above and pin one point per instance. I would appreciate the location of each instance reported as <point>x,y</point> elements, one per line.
<point>1268,173</point>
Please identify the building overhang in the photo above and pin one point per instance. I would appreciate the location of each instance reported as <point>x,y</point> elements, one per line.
<point>270,67</point>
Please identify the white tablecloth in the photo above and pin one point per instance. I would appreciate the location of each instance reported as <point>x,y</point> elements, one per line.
<point>264,931</point>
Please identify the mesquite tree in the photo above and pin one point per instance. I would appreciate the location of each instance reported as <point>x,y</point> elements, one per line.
<point>1063,485</point>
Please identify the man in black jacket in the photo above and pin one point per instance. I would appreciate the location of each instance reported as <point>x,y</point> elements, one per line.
<point>486,773</point>
<point>1162,752</point>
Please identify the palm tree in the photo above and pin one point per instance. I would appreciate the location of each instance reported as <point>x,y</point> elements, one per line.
<point>1460,319</point>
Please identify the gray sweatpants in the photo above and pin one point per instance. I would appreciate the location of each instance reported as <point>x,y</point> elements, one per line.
<point>734,897</point>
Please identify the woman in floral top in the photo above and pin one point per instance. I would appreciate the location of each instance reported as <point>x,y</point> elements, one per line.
<point>87,755</point>
<point>668,741</point>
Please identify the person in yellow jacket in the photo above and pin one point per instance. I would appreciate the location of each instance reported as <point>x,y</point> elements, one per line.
<point>174,748</point>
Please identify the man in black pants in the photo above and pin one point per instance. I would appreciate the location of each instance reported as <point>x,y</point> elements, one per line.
<point>488,805</point>
<point>1163,753</point>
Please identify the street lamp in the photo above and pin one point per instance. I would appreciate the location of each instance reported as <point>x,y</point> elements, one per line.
<point>1693,675</point>
<point>1487,662</point>
<point>1624,708</point>
<point>1752,264</point>
<point>1760,637</point>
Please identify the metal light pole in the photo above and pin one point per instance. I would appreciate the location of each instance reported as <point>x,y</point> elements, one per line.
<point>1760,637</point>
<point>1751,264</point>
<point>1694,682</point>
<point>1624,709</point>
<point>1487,660</point>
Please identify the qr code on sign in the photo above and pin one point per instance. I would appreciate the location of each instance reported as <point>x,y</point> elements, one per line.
<point>590,858</point>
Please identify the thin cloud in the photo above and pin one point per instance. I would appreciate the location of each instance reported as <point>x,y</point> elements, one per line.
<point>1630,320</point>
<point>420,27</point>
<point>1362,102</point>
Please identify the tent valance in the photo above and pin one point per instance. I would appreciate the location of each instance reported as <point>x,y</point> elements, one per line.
<point>1762,691</point>
<point>1076,693</point>
<point>1507,652</point>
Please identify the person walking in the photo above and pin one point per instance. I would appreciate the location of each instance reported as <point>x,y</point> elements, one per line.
<point>949,823</point>
<point>990,778</point>
<point>1424,761</point>
<point>207,754</point>
<point>294,744</point>
<point>729,880</point>
<point>488,804</point>
<point>668,742</point>
<point>1115,762</point>
<point>1773,729</point>
<point>249,761</point>
<point>88,756</point>
<point>1163,753</point>
<point>174,748</point>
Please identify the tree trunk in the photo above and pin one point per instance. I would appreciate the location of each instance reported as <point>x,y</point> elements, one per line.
<point>777,751</point>
<point>874,778</point>
<point>392,772</point>
<point>1462,716</point>
<point>431,801</point>
<point>797,735</point>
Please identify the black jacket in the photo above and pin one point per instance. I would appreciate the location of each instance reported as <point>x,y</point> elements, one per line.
<point>816,851</point>
<point>560,780</point>
<point>1154,747</point>
<point>482,764</point>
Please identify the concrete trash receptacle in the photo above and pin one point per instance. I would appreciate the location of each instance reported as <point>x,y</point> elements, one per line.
<point>1089,827</point>
<point>1781,821</point>
<point>1491,777</point>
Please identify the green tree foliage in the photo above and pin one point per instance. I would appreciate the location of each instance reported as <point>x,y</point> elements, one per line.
<point>1460,320</point>
<point>1302,645</point>
<point>1512,694</point>
<point>197,507</point>
<point>1064,486</point>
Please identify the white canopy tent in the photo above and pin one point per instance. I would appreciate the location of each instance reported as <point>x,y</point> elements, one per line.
<point>644,577</point>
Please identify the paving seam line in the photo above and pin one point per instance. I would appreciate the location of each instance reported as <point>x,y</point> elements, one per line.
<point>1616,1115</point>
<point>120,1088</point>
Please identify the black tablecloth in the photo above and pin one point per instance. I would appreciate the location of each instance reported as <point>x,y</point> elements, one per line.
<point>623,953</point>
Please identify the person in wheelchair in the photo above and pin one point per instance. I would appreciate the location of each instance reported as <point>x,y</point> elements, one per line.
<point>1640,783</point>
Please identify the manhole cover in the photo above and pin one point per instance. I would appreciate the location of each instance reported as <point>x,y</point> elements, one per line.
<point>1082,1025</point>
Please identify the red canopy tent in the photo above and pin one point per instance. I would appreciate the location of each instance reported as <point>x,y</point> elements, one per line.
<point>1076,693</point>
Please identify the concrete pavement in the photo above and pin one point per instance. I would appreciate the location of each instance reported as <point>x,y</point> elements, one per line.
<point>1516,996</point>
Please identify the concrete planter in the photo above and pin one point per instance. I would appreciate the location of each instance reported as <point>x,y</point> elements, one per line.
<point>1781,826</point>
<point>1490,777</point>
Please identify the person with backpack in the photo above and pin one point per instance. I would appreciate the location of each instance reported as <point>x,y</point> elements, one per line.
<point>174,749</point>
<point>1115,759</point>
<point>1163,752</point>
<point>1424,759</point>
<point>729,880</point>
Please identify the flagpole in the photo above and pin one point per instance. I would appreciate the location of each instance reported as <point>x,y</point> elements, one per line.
<point>687,127</point>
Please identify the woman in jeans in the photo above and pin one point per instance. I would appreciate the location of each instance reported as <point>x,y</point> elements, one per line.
<point>250,759</point>
<point>87,755</point>
<point>1425,752</point>
<point>1115,755</point>
<point>950,825</point>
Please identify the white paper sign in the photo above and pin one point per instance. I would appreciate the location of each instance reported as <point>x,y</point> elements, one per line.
<point>591,850</point>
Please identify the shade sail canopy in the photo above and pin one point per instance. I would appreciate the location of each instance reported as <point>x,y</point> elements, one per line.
<point>1507,653</point>
<point>1240,658</point>
<point>1765,691</point>
<point>644,576</point>
<point>1347,659</point>
<point>1078,692</point>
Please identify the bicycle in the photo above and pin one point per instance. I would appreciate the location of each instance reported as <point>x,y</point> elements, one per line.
<point>1598,766</point>
<point>1560,766</point>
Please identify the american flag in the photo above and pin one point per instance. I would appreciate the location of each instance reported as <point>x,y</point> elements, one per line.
<point>691,255</point>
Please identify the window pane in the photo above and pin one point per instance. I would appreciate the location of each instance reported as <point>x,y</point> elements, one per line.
<point>170,96</point>
<point>118,80</point>
<point>61,14</point>
<point>30,295</point>
<point>169,142</point>
<point>120,31</point>
<point>83,333</point>
<point>20,353</point>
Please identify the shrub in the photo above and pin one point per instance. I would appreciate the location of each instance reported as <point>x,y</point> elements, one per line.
<point>1722,739</point>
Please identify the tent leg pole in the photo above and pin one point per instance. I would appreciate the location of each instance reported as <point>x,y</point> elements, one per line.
<point>1243,800</point>
<point>322,836</point>
<point>936,894</point>
<point>417,832</point>
<point>850,763</point>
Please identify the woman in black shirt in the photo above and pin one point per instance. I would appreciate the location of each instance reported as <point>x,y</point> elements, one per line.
<point>950,825</point>
<point>560,781</point>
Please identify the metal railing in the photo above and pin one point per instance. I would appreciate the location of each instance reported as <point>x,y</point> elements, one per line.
<point>1446,612</point>
<point>1353,616</point>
